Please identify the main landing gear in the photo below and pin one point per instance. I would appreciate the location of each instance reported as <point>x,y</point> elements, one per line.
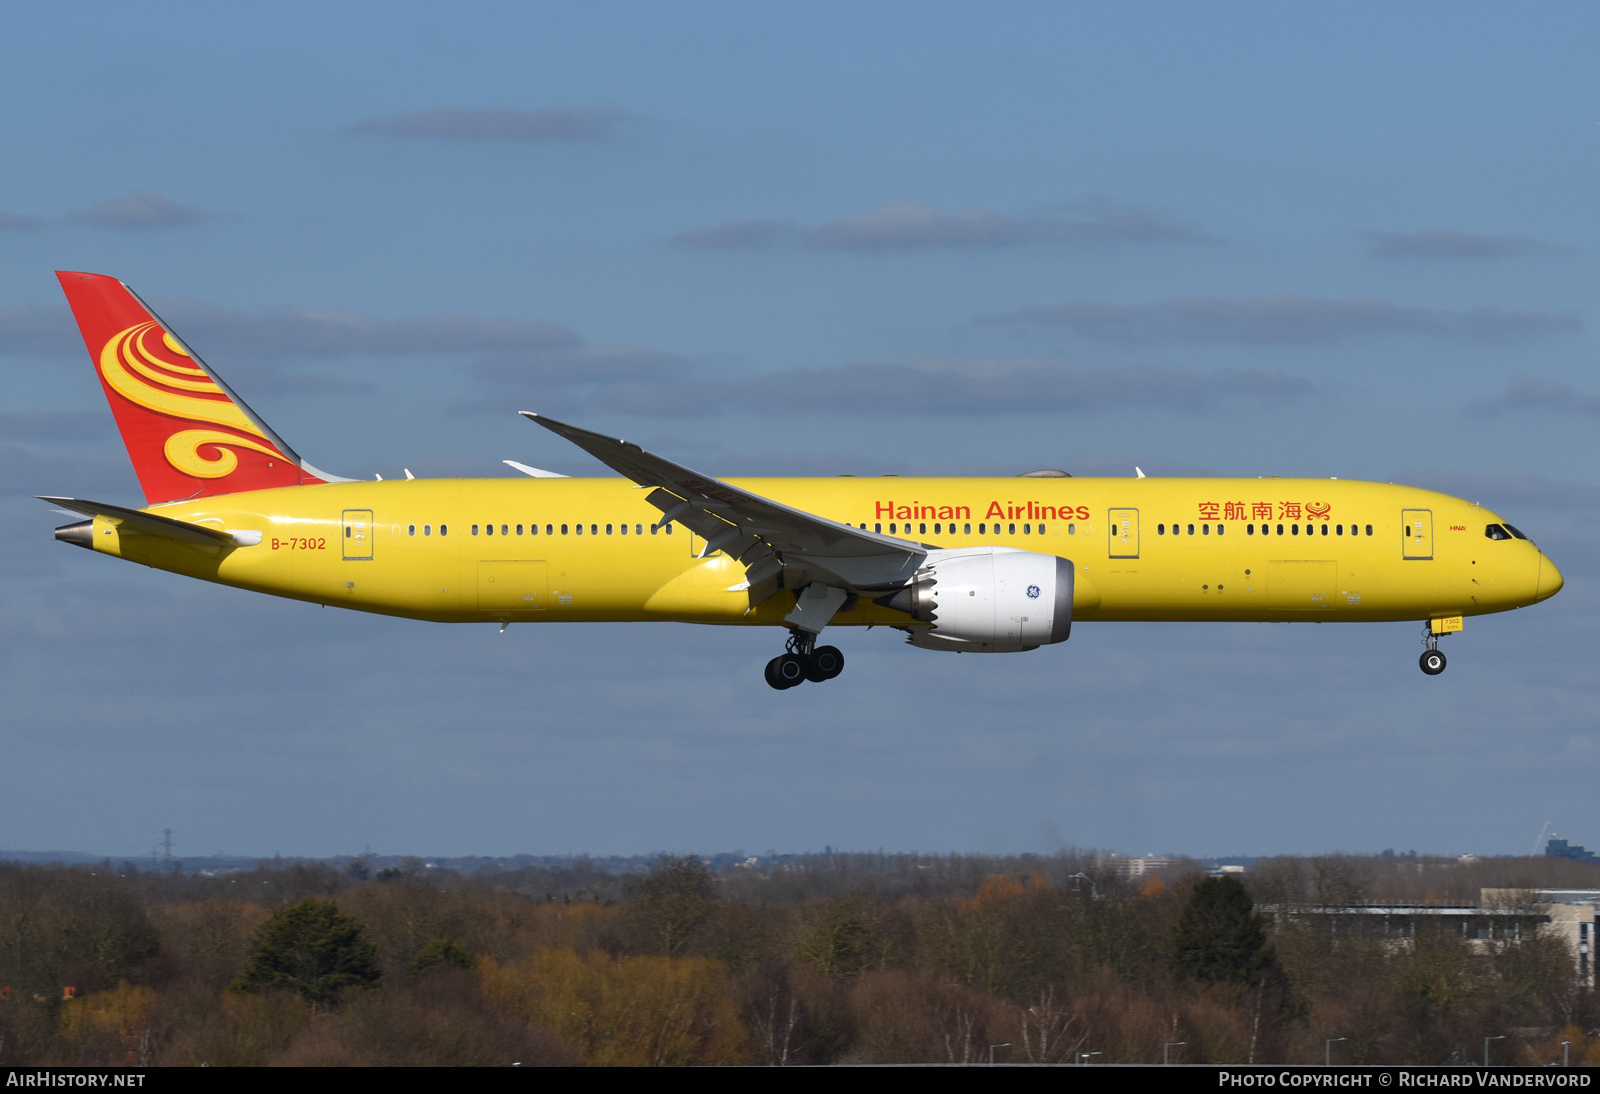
<point>1432,660</point>
<point>805,660</point>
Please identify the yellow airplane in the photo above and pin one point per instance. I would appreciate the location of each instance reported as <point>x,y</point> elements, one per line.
<point>993,565</point>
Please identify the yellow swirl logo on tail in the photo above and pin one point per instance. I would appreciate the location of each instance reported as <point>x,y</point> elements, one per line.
<point>178,389</point>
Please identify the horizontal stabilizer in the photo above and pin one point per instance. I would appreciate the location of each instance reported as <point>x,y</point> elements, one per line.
<point>150,524</point>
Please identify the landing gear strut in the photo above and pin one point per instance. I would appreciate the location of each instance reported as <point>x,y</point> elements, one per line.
<point>1432,660</point>
<point>804,660</point>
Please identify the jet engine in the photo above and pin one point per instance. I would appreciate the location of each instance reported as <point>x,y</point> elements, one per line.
<point>988,600</point>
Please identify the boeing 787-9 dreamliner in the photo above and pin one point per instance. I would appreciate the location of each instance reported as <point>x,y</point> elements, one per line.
<point>964,565</point>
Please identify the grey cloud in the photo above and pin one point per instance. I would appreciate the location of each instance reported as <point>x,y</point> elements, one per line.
<point>529,126</point>
<point>1094,221</point>
<point>1283,319</point>
<point>38,328</point>
<point>216,331</point>
<point>1529,393</point>
<point>31,469</point>
<point>17,222</point>
<point>657,385</point>
<point>140,209</point>
<point>907,224</point>
<point>1453,245</point>
<point>1508,490</point>
<point>736,234</point>
<point>53,425</point>
<point>1098,220</point>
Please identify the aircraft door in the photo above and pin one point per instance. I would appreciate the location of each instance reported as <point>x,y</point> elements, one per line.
<point>1124,533</point>
<point>1418,533</point>
<point>357,538</point>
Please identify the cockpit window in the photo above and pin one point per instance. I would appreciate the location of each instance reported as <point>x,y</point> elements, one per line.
<point>1514,532</point>
<point>1494,531</point>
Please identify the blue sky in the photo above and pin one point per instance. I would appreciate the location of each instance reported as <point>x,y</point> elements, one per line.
<point>821,238</point>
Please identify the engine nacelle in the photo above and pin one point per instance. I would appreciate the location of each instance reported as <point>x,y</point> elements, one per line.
<point>988,600</point>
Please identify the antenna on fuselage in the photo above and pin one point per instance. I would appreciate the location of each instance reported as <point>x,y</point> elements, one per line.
<point>1139,473</point>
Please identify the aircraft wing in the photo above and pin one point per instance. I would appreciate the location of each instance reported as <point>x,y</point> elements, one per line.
<point>152,525</point>
<point>770,538</point>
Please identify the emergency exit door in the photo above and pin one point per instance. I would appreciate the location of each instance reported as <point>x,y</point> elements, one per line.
<point>1124,533</point>
<point>1418,532</point>
<point>357,537</point>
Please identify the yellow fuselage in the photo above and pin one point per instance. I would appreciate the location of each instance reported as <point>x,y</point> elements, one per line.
<point>587,549</point>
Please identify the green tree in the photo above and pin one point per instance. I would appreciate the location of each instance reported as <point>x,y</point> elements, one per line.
<point>314,949</point>
<point>1219,938</point>
<point>672,900</point>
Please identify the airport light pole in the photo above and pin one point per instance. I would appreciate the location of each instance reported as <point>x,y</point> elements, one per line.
<point>1486,1041</point>
<point>1566,1054</point>
<point>1327,1050</point>
<point>1083,1057</point>
<point>1167,1048</point>
<point>991,1051</point>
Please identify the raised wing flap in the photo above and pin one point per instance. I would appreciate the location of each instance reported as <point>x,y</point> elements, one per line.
<point>149,523</point>
<point>755,528</point>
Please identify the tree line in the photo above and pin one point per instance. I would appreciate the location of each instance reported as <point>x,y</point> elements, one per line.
<point>834,958</point>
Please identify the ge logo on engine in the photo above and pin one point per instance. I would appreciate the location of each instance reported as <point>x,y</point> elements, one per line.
<point>1033,592</point>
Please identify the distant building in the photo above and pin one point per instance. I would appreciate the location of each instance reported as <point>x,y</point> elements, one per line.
<point>1501,916</point>
<point>1560,848</point>
<point>1132,869</point>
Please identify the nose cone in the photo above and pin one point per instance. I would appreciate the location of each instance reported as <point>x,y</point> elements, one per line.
<point>1550,579</point>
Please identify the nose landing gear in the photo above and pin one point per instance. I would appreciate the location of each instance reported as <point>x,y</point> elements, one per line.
<point>1432,660</point>
<point>804,660</point>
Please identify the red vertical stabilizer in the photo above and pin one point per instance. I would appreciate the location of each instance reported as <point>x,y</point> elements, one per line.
<point>187,433</point>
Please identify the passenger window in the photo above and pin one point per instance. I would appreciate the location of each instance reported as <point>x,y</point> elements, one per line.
<point>550,530</point>
<point>504,531</point>
<point>533,529</point>
<point>1324,529</point>
<point>1027,529</point>
<point>1369,529</point>
<point>1072,529</point>
<point>921,528</point>
<point>1191,529</point>
<point>1280,529</point>
<point>1161,529</point>
<point>1338,529</point>
<point>474,529</point>
<point>427,529</point>
<point>981,528</point>
<point>1205,529</point>
<point>1294,529</point>
<point>669,529</point>
<point>564,529</point>
<point>519,529</point>
<point>1220,527</point>
<point>1013,530</point>
<point>877,528</point>
<point>623,528</point>
<point>1041,529</point>
<point>966,529</point>
<point>411,529</point>
<point>1249,529</point>
<point>608,530</point>
<point>444,529</point>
